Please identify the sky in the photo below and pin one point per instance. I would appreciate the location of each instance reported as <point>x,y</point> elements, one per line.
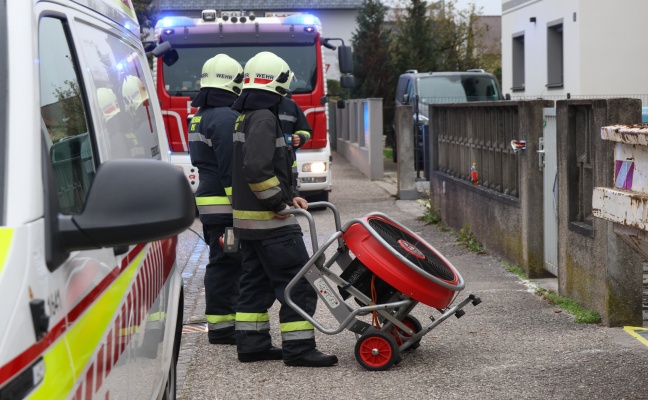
<point>489,7</point>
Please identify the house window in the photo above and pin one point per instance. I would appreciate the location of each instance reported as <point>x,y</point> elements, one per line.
<point>518,62</point>
<point>555,55</point>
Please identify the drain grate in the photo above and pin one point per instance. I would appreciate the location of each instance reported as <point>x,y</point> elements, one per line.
<point>194,328</point>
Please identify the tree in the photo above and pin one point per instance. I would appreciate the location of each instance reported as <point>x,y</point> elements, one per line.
<point>413,44</point>
<point>438,37</point>
<point>454,37</point>
<point>146,11</point>
<point>373,66</point>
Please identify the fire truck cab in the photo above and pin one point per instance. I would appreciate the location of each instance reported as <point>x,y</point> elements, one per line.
<point>185,43</point>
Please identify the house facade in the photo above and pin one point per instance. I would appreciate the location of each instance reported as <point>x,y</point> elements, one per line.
<point>338,17</point>
<point>555,49</point>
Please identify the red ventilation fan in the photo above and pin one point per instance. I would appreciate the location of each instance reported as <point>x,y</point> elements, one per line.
<point>387,269</point>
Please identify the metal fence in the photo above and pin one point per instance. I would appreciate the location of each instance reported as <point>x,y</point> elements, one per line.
<point>642,97</point>
<point>479,134</point>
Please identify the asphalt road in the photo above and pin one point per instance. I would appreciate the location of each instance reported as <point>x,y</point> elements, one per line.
<point>514,345</point>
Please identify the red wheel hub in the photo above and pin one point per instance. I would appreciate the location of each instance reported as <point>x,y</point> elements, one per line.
<point>375,351</point>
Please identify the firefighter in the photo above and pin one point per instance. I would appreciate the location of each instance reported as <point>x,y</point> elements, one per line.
<point>122,142</point>
<point>296,129</point>
<point>210,149</point>
<point>272,245</point>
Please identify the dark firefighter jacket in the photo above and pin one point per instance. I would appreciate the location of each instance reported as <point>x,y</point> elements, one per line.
<point>210,150</point>
<point>293,121</point>
<point>261,177</point>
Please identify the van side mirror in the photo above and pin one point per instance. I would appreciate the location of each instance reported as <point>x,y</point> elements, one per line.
<point>345,59</point>
<point>406,98</point>
<point>347,81</point>
<point>159,205</point>
<point>508,96</point>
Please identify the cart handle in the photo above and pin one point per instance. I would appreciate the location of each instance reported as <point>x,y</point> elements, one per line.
<point>311,221</point>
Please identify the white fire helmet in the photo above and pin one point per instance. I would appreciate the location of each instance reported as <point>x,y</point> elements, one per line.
<point>134,92</point>
<point>222,72</point>
<point>269,72</point>
<point>108,103</point>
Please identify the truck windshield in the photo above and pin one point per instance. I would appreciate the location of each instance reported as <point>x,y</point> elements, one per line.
<point>183,77</point>
<point>457,89</point>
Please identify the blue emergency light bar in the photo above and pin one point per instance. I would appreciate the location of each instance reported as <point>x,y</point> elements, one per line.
<point>301,19</point>
<point>170,22</point>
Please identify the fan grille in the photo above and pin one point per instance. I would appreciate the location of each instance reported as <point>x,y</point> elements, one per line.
<point>412,249</point>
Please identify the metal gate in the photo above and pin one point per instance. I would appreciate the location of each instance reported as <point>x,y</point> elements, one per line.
<point>549,165</point>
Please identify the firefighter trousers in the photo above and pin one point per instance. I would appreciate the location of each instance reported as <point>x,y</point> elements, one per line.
<point>222,277</point>
<point>268,266</point>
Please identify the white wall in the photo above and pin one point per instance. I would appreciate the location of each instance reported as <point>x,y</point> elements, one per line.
<point>615,50</point>
<point>602,47</point>
<point>517,20</point>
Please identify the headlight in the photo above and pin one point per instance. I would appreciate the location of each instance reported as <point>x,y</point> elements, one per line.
<point>316,167</point>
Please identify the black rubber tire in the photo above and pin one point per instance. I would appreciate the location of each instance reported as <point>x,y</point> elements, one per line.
<point>415,325</point>
<point>377,351</point>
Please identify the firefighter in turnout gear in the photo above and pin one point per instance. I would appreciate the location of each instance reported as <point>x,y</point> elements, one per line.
<point>211,149</point>
<point>272,245</point>
<point>296,129</point>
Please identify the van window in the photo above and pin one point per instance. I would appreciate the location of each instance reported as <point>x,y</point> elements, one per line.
<point>64,117</point>
<point>457,89</point>
<point>125,123</point>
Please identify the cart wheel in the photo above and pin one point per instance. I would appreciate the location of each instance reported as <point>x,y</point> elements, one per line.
<point>401,336</point>
<point>377,351</point>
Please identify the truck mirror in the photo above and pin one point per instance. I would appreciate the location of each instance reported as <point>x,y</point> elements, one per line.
<point>341,104</point>
<point>323,100</point>
<point>345,59</point>
<point>347,81</point>
<point>170,57</point>
<point>405,98</point>
<point>161,49</point>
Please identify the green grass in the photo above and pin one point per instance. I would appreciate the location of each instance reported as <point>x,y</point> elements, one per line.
<point>431,214</point>
<point>581,315</point>
<point>468,239</point>
<point>514,269</point>
<point>388,153</point>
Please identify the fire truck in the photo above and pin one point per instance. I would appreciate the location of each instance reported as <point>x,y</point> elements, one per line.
<point>185,43</point>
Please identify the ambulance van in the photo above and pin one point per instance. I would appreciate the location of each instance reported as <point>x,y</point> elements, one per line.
<point>90,208</point>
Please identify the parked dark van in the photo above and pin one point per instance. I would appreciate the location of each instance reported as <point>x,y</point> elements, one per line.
<point>420,89</point>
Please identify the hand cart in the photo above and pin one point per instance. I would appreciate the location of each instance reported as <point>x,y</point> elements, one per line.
<point>387,270</point>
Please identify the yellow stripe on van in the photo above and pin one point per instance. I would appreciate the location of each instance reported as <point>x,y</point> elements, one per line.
<point>6,237</point>
<point>84,337</point>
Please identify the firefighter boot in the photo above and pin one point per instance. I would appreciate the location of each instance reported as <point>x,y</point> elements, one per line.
<point>273,353</point>
<point>313,359</point>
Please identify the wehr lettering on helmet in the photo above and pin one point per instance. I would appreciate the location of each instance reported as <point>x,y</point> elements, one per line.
<point>263,78</point>
<point>225,76</point>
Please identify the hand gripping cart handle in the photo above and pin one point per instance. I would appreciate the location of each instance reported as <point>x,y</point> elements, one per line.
<point>387,270</point>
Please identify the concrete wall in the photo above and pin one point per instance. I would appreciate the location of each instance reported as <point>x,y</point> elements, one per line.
<point>358,135</point>
<point>507,224</point>
<point>595,267</point>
